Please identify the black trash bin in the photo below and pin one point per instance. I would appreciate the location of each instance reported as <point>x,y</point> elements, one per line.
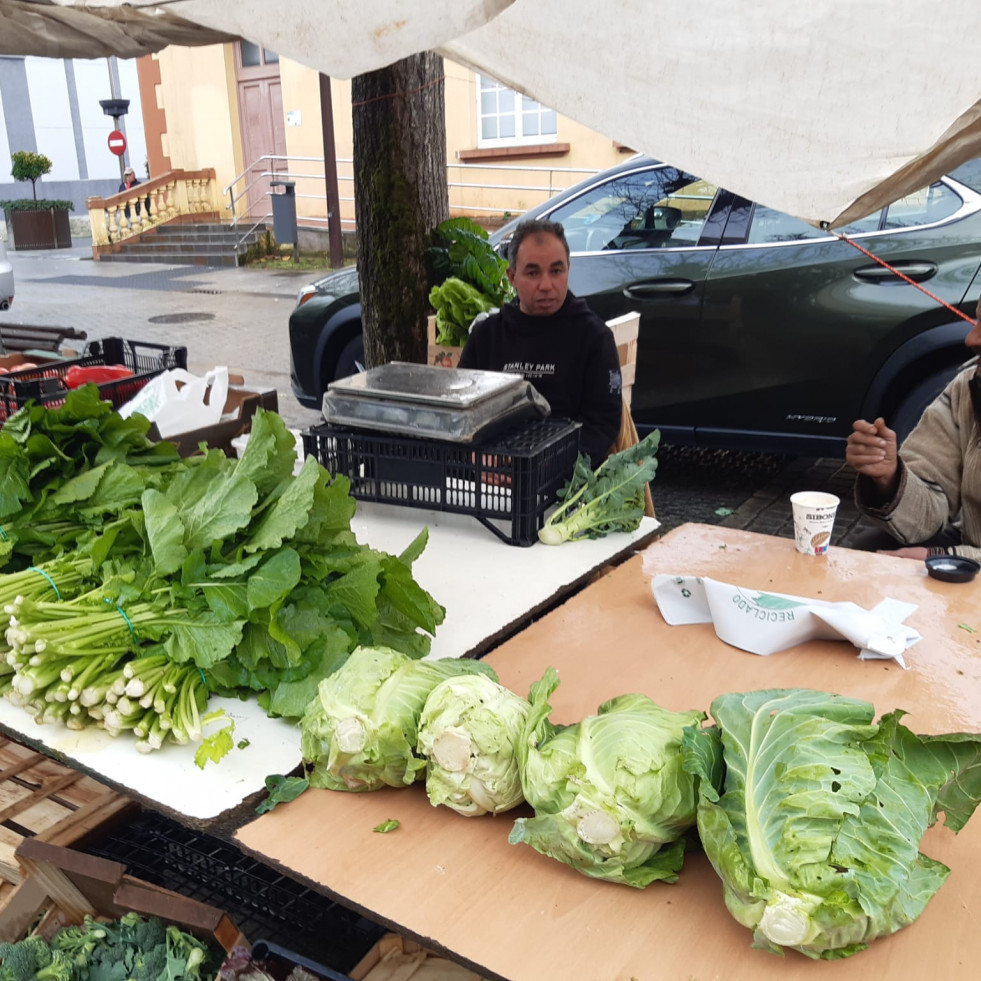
<point>284,212</point>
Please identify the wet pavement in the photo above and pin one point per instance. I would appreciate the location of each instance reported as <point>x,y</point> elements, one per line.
<point>238,317</point>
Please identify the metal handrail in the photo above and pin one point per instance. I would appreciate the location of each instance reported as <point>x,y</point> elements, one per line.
<point>269,161</point>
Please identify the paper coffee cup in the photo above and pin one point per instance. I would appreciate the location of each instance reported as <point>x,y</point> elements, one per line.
<point>814,517</point>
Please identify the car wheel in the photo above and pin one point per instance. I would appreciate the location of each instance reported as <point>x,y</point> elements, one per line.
<point>351,359</point>
<point>908,413</point>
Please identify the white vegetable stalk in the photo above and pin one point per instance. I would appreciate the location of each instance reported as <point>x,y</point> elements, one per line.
<point>350,735</point>
<point>598,828</point>
<point>786,921</point>
<point>452,750</point>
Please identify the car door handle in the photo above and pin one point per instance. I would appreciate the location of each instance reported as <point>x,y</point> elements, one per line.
<point>917,271</point>
<point>658,287</point>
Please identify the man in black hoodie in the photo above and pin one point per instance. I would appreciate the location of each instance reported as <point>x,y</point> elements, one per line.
<point>553,339</point>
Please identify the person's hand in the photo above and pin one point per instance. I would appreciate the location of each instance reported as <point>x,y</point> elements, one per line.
<point>872,450</point>
<point>913,552</point>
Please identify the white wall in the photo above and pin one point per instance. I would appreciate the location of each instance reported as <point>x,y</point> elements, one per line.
<point>4,148</point>
<point>48,90</point>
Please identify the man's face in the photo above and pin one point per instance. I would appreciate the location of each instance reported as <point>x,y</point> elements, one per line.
<point>540,275</point>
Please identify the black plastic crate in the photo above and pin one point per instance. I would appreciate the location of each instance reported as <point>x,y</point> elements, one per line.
<point>507,483</point>
<point>264,904</point>
<point>45,384</point>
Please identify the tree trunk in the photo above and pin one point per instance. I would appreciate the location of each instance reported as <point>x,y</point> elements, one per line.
<point>400,195</point>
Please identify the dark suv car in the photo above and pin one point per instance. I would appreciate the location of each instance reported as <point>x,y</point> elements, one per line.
<point>758,331</point>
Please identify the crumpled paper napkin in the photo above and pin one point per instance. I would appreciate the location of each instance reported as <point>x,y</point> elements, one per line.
<point>764,623</point>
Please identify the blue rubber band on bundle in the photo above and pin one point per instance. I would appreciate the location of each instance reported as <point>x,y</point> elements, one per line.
<point>41,572</point>
<point>122,613</point>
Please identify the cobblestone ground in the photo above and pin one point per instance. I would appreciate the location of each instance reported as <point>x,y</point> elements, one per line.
<point>748,490</point>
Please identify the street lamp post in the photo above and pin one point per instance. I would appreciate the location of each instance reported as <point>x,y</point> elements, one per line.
<point>117,108</point>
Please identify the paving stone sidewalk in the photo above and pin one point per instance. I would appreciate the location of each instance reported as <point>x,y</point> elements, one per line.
<point>768,509</point>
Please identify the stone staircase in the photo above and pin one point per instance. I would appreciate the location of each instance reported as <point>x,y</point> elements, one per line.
<point>199,244</point>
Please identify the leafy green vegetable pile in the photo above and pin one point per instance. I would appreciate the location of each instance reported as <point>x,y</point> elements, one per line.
<point>468,277</point>
<point>810,811</point>
<point>141,582</point>
<point>359,733</point>
<point>468,732</point>
<point>611,797</point>
<point>128,949</point>
<point>607,499</point>
<point>816,834</point>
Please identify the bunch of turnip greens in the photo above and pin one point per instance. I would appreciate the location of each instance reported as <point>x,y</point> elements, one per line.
<point>220,575</point>
<point>74,468</point>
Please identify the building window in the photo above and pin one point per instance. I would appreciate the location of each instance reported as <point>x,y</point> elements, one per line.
<point>252,56</point>
<point>508,118</point>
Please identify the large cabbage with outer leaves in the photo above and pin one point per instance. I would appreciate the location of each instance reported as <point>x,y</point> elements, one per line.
<point>467,733</point>
<point>816,835</point>
<point>359,733</point>
<point>610,794</point>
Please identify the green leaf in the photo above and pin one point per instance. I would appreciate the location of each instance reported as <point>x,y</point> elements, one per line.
<point>282,790</point>
<point>392,824</point>
<point>274,579</point>
<point>218,745</point>
<point>165,532</point>
<point>205,639</point>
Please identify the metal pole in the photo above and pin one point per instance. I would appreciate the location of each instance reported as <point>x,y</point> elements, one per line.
<point>114,93</point>
<point>330,175</point>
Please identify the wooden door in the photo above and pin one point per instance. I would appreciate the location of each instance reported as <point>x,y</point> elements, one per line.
<point>260,100</point>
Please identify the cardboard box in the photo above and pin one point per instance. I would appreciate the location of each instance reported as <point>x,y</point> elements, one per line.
<point>62,885</point>
<point>13,362</point>
<point>444,355</point>
<point>241,404</point>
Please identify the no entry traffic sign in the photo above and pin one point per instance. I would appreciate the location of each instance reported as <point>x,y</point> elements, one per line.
<point>117,142</point>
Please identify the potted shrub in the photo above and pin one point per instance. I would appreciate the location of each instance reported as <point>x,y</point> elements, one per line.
<point>36,223</point>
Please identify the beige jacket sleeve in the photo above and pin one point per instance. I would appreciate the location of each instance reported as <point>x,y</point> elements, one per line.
<point>940,465</point>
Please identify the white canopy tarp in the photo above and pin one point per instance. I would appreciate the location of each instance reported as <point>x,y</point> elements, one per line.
<point>826,109</point>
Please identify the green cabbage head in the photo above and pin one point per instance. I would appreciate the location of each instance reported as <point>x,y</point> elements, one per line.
<point>816,835</point>
<point>610,794</point>
<point>359,733</point>
<point>467,733</point>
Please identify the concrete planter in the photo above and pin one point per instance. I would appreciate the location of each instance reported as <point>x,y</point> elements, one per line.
<point>47,229</point>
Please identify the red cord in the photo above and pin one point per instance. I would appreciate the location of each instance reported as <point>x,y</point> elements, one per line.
<point>906,279</point>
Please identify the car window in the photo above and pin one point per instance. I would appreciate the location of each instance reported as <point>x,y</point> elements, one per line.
<point>660,208</point>
<point>969,173</point>
<point>933,203</point>
<point>775,226</point>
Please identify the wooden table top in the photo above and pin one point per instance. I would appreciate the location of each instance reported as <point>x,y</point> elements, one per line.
<point>456,884</point>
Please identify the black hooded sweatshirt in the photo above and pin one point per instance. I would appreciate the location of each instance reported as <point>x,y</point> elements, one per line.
<point>571,359</point>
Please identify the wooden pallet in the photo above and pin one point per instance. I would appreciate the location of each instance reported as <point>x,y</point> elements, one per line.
<point>40,798</point>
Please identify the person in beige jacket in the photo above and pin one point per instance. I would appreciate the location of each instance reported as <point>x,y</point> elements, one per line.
<point>926,495</point>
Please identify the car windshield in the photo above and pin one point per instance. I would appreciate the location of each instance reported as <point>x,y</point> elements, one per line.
<point>655,208</point>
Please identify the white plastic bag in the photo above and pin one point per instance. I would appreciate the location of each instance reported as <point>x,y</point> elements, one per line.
<point>179,402</point>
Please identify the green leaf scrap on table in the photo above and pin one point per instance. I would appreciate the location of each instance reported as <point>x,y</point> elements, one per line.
<point>216,746</point>
<point>968,628</point>
<point>390,825</point>
<point>281,791</point>
<point>723,512</point>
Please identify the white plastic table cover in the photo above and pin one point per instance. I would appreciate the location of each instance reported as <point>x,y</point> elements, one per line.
<point>488,588</point>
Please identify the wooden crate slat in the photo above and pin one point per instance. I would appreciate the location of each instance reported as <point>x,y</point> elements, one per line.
<point>41,798</point>
<point>46,790</point>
